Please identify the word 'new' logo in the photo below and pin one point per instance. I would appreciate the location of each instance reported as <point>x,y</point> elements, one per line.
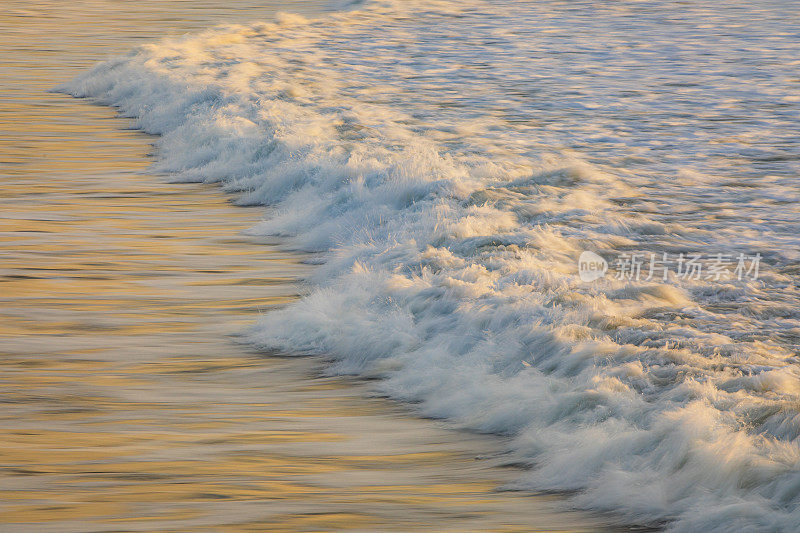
<point>591,266</point>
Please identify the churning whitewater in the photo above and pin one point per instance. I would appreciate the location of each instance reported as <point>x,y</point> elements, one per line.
<point>452,159</point>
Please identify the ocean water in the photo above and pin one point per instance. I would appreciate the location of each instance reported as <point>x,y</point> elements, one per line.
<point>125,405</point>
<point>450,161</point>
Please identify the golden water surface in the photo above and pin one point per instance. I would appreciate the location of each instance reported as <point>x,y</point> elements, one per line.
<point>125,402</point>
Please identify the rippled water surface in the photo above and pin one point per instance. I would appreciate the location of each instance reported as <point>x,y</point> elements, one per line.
<point>452,160</point>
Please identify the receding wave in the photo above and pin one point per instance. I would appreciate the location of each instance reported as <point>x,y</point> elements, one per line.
<point>451,161</point>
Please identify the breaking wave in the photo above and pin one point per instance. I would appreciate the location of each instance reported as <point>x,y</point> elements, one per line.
<point>450,160</point>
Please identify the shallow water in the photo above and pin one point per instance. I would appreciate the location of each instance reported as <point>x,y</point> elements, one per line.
<point>126,403</point>
<point>452,161</point>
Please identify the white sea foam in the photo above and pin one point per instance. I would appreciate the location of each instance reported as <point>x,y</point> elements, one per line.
<point>452,159</point>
